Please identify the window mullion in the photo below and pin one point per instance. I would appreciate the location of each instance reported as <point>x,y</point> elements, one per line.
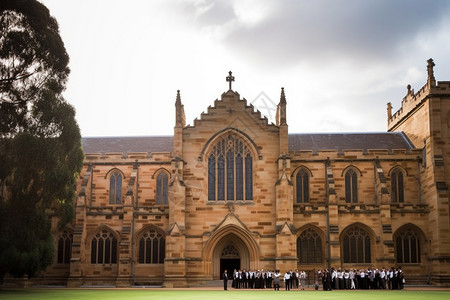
<point>216,176</point>
<point>244,190</point>
<point>234,175</point>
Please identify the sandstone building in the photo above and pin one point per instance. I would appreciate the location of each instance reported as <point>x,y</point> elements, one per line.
<point>233,191</point>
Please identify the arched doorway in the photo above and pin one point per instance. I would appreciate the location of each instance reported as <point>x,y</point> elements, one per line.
<point>230,260</point>
<point>230,253</point>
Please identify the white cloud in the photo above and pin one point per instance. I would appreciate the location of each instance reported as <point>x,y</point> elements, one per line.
<point>340,61</point>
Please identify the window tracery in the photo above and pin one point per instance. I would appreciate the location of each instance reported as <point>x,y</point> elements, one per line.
<point>64,248</point>
<point>356,246</point>
<point>408,247</point>
<point>309,247</point>
<point>152,247</point>
<point>104,248</point>
<point>230,170</point>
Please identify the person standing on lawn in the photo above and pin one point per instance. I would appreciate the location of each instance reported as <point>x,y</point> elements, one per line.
<point>225,280</point>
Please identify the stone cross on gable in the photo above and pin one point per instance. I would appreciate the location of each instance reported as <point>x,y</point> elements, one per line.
<point>230,79</point>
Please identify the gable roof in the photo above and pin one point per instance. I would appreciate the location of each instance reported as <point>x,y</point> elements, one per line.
<point>127,144</point>
<point>349,141</point>
<point>297,142</point>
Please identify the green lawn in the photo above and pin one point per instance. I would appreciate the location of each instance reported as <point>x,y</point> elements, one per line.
<point>148,293</point>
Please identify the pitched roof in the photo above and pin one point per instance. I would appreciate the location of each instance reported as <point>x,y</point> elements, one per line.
<point>349,141</point>
<point>297,142</point>
<point>127,144</point>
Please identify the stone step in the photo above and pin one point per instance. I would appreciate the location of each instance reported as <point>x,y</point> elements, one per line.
<point>215,283</point>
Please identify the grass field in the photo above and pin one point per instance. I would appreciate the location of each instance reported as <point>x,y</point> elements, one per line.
<point>146,293</point>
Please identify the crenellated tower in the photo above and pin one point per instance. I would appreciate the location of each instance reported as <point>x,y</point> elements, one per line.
<point>425,118</point>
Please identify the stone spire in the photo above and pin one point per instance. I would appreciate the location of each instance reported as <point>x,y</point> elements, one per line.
<point>431,82</point>
<point>180,118</point>
<point>281,109</point>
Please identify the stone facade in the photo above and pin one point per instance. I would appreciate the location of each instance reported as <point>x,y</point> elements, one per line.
<point>233,191</point>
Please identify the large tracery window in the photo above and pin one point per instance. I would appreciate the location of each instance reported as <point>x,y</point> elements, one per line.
<point>356,246</point>
<point>152,248</point>
<point>302,183</point>
<point>64,247</point>
<point>230,171</point>
<point>104,248</point>
<point>309,247</point>
<point>397,193</point>
<point>351,186</point>
<point>408,247</point>
<point>115,188</point>
<point>162,188</point>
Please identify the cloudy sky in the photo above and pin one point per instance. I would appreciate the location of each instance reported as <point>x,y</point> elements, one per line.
<point>340,61</point>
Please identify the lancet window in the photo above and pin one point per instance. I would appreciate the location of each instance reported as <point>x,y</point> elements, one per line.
<point>397,192</point>
<point>351,186</point>
<point>302,183</point>
<point>162,188</point>
<point>115,188</point>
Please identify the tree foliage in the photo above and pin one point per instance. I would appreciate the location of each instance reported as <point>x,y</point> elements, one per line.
<point>40,142</point>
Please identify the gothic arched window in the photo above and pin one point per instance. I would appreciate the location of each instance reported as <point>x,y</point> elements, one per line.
<point>64,250</point>
<point>302,183</point>
<point>104,248</point>
<point>397,192</point>
<point>351,186</point>
<point>407,246</point>
<point>115,188</point>
<point>162,188</point>
<point>356,246</point>
<point>152,248</point>
<point>230,171</point>
<point>309,247</point>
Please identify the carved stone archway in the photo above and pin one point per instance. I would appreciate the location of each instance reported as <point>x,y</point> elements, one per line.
<point>226,236</point>
<point>222,250</point>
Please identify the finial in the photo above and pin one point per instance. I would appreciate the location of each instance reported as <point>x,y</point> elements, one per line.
<point>431,80</point>
<point>230,79</point>
<point>180,118</point>
<point>389,110</point>
<point>283,96</point>
<point>430,67</point>
<point>408,87</point>
<point>178,100</point>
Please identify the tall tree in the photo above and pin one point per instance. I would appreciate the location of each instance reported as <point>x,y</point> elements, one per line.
<point>40,141</point>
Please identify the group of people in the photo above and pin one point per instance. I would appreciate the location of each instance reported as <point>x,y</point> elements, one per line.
<point>260,279</point>
<point>334,279</point>
<point>351,279</point>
